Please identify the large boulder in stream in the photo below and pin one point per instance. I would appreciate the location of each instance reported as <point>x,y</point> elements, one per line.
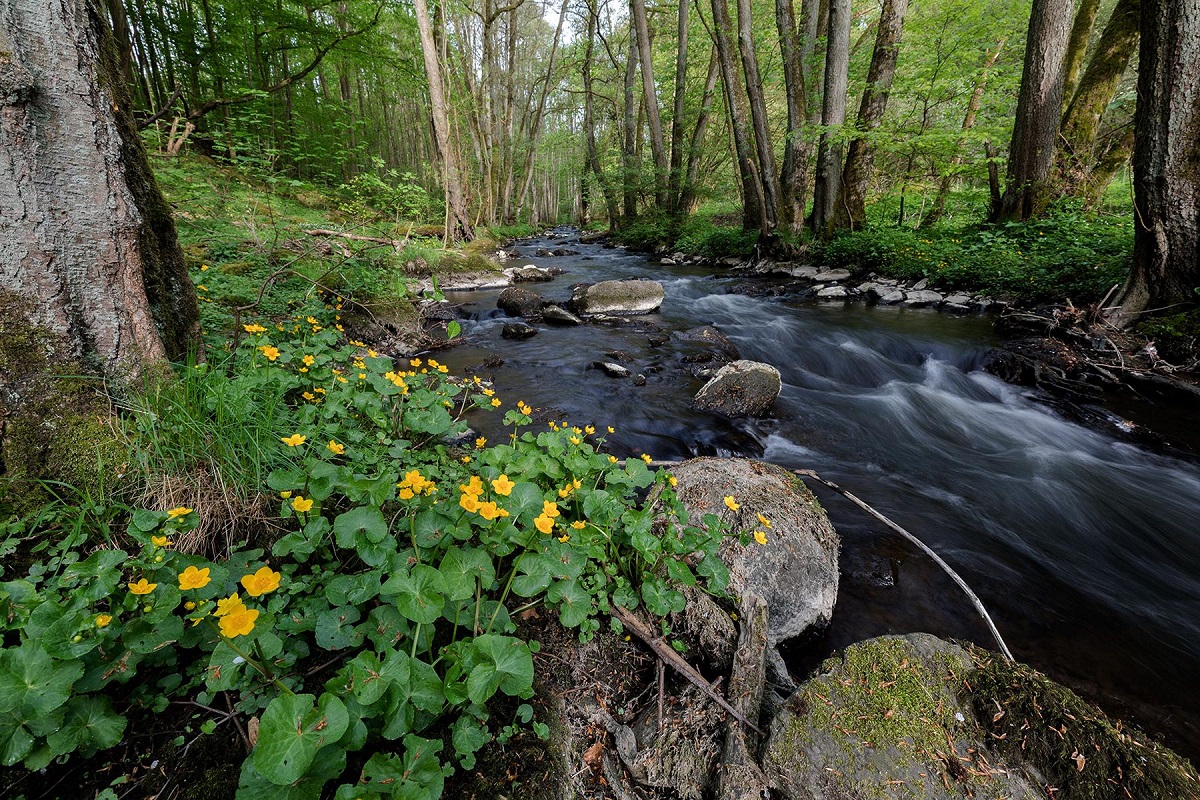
<point>617,297</point>
<point>796,571</point>
<point>518,302</point>
<point>740,388</point>
<point>918,717</point>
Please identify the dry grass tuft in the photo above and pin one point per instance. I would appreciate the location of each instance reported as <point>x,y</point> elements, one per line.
<point>226,517</point>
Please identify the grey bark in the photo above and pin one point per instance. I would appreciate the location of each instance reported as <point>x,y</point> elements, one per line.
<point>793,177</point>
<point>458,222</point>
<point>589,128</point>
<point>833,114</point>
<point>629,159</point>
<point>752,199</point>
<point>675,182</point>
<point>1039,108</point>
<point>692,176</point>
<point>658,149</point>
<point>1077,45</point>
<point>849,210</point>
<point>1166,161</point>
<point>86,238</point>
<point>769,220</point>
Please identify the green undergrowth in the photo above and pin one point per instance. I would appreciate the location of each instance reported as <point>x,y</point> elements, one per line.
<point>371,634</point>
<point>1067,254</point>
<point>1176,336</point>
<point>714,231</point>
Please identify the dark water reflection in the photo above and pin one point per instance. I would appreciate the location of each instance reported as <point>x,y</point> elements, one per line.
<point>1085,549</point>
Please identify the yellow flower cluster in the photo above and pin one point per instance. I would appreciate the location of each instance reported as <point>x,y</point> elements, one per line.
<point>415,483</point>
<point>472,491</point>
<point>254,328</point>
<point>270,351</point>
<point>234,618</point>
<point>545,520</point>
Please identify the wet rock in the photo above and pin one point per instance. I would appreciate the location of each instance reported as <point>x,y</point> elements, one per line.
<point>703,357</point>
<point>559,316</point>
<point>833,293</point>
<point>658,339</point>
<point>918,298</point>
<point>618,297</point>
<point>711,335</point>
<point>620,356</point>
<point>740,388</point>
<point>493,361</point>
<point>832,275</point>
<point>801,548</point>
<point>920,285</point>
<point>668,262</point>
<point>639,380</point>
<point>543,252</point>
<point>611,369</point>
<point>593,238</point>
<point>955,308</point>
<point>517,330</point>
<point>528,274</point>
<point>891,298</point>
<point>958,299</point>
<point>518,302</point>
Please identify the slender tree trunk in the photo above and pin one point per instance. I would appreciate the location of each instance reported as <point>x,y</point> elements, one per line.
<point>536,125</point>
<point>939,203</point>
<point>793,178</point>
<point>1039,108</point>
<point>657,147</point>
<point>833,114</point>
<point>459,226</point>
<point>1082,121</point>
<point>850,209</point>
<point>629,145</point>
<point>758,116</point>
<point>675,183</point>
<point>1077,45</point>
<point>688,194</point>
<point>89,246</point>
<point>589,124</point>
<point>752,202</point>
<point>1166,161</point>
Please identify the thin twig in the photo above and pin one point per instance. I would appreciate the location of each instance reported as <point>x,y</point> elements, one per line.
<point>975,601</point>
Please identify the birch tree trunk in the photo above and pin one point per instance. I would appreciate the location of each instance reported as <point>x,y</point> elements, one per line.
<point>849,211</point>
<point>1039,109</point>
<point>833,114</point>
<point>87,244</point>
<point>1166,161</point>
<point>458,227</point>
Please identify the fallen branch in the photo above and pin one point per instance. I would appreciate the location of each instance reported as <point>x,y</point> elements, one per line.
<point>668,655</point>
<point>975,601</point>
<point>399,244</point>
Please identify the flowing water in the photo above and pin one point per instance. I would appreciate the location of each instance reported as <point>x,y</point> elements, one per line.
<point>1086,550</point>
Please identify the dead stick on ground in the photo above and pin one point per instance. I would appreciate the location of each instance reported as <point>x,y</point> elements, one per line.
<point>975,601</point>
<point>665,652</point>
<point>396,243</point>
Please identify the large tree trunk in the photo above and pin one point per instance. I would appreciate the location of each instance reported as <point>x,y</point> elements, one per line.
<point>1039,108</point>
<point>833,113</point>
<point>850,209</point>
<point>752,199</point>
<point>86,238</point>
<point>758,117</point>
<point>1081,123</point>
<point>939,203</point>
<point>688,193</point>
<point>1077,45</point>
<point>793,178</point>
<point>658,148</point>
<point>1166,161</point>
<point>675,183</point>
<point>629,154</point>
<point>458,227</point>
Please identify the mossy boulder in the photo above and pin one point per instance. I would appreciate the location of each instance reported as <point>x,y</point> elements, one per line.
<point>918,717</point>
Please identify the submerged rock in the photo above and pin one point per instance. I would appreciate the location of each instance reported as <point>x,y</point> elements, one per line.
<point>618,297</point>
<point>517,302</point>
<point>560,316</point>
<point>611,369</point>
<point>796,571</point>
<point>517,330</point>
<point>740,388</point>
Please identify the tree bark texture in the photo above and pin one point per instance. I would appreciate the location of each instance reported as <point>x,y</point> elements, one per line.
<point>85,234</point>
<point>675,183</point>
<point>1077,45</point>
<point>458,227</point>
<point>833,114</point>
<point>1166,160</point>
<point>769,219</point>
<point>793,177</point>
<point>735,102</point>
<point>850,209</point>
<point>1081,123</point>
<point>1039,109</point>
<point>589,125</point>
<point>658,148</point>
<point>687,195</point>
<point>629,156</point>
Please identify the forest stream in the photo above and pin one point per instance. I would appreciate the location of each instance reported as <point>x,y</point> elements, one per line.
<point>1083,547</point>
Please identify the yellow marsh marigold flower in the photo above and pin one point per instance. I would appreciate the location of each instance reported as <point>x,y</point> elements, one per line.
<point>496,402</point>
<point>270,352</point>
<point>229,604</point>
<point>764,521</point>
<point>161,541</point>
<point>564,492</point>
<point>472,487</point>
<point>612,459</point>
<point>491,511</point>
<point>414,362</point>
<point>481,442</point>
<point>487,392</point>
<point>142,587</point>
<point>731,504</point>
<point>311,320</point>
<point>254,328</point>
<point>261,582</point>
<point>544,524</point>
<point>238,622</point>
<point>589,430</point>
<point>611,429</point>
<point>503,486</point>
<point>671,479</point>
<point>102,620</point>
<point>286,494</point>
<point>295,440</point>
<point>335,448</point>
<point>576,440</point>
<point>465,459</point>
<point>302,504</point>
<point>646,457</point>
<point>760,537</point>
<point>469,502</point>
<point>204,267</point>
<point>190,605</point>
<point>578,524</point>
<point>180,511</point>
<point>192,578</point>
<point>549,508</point>
<point>566,537</point>
<point>308,360</point>
<point>524,407</point>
